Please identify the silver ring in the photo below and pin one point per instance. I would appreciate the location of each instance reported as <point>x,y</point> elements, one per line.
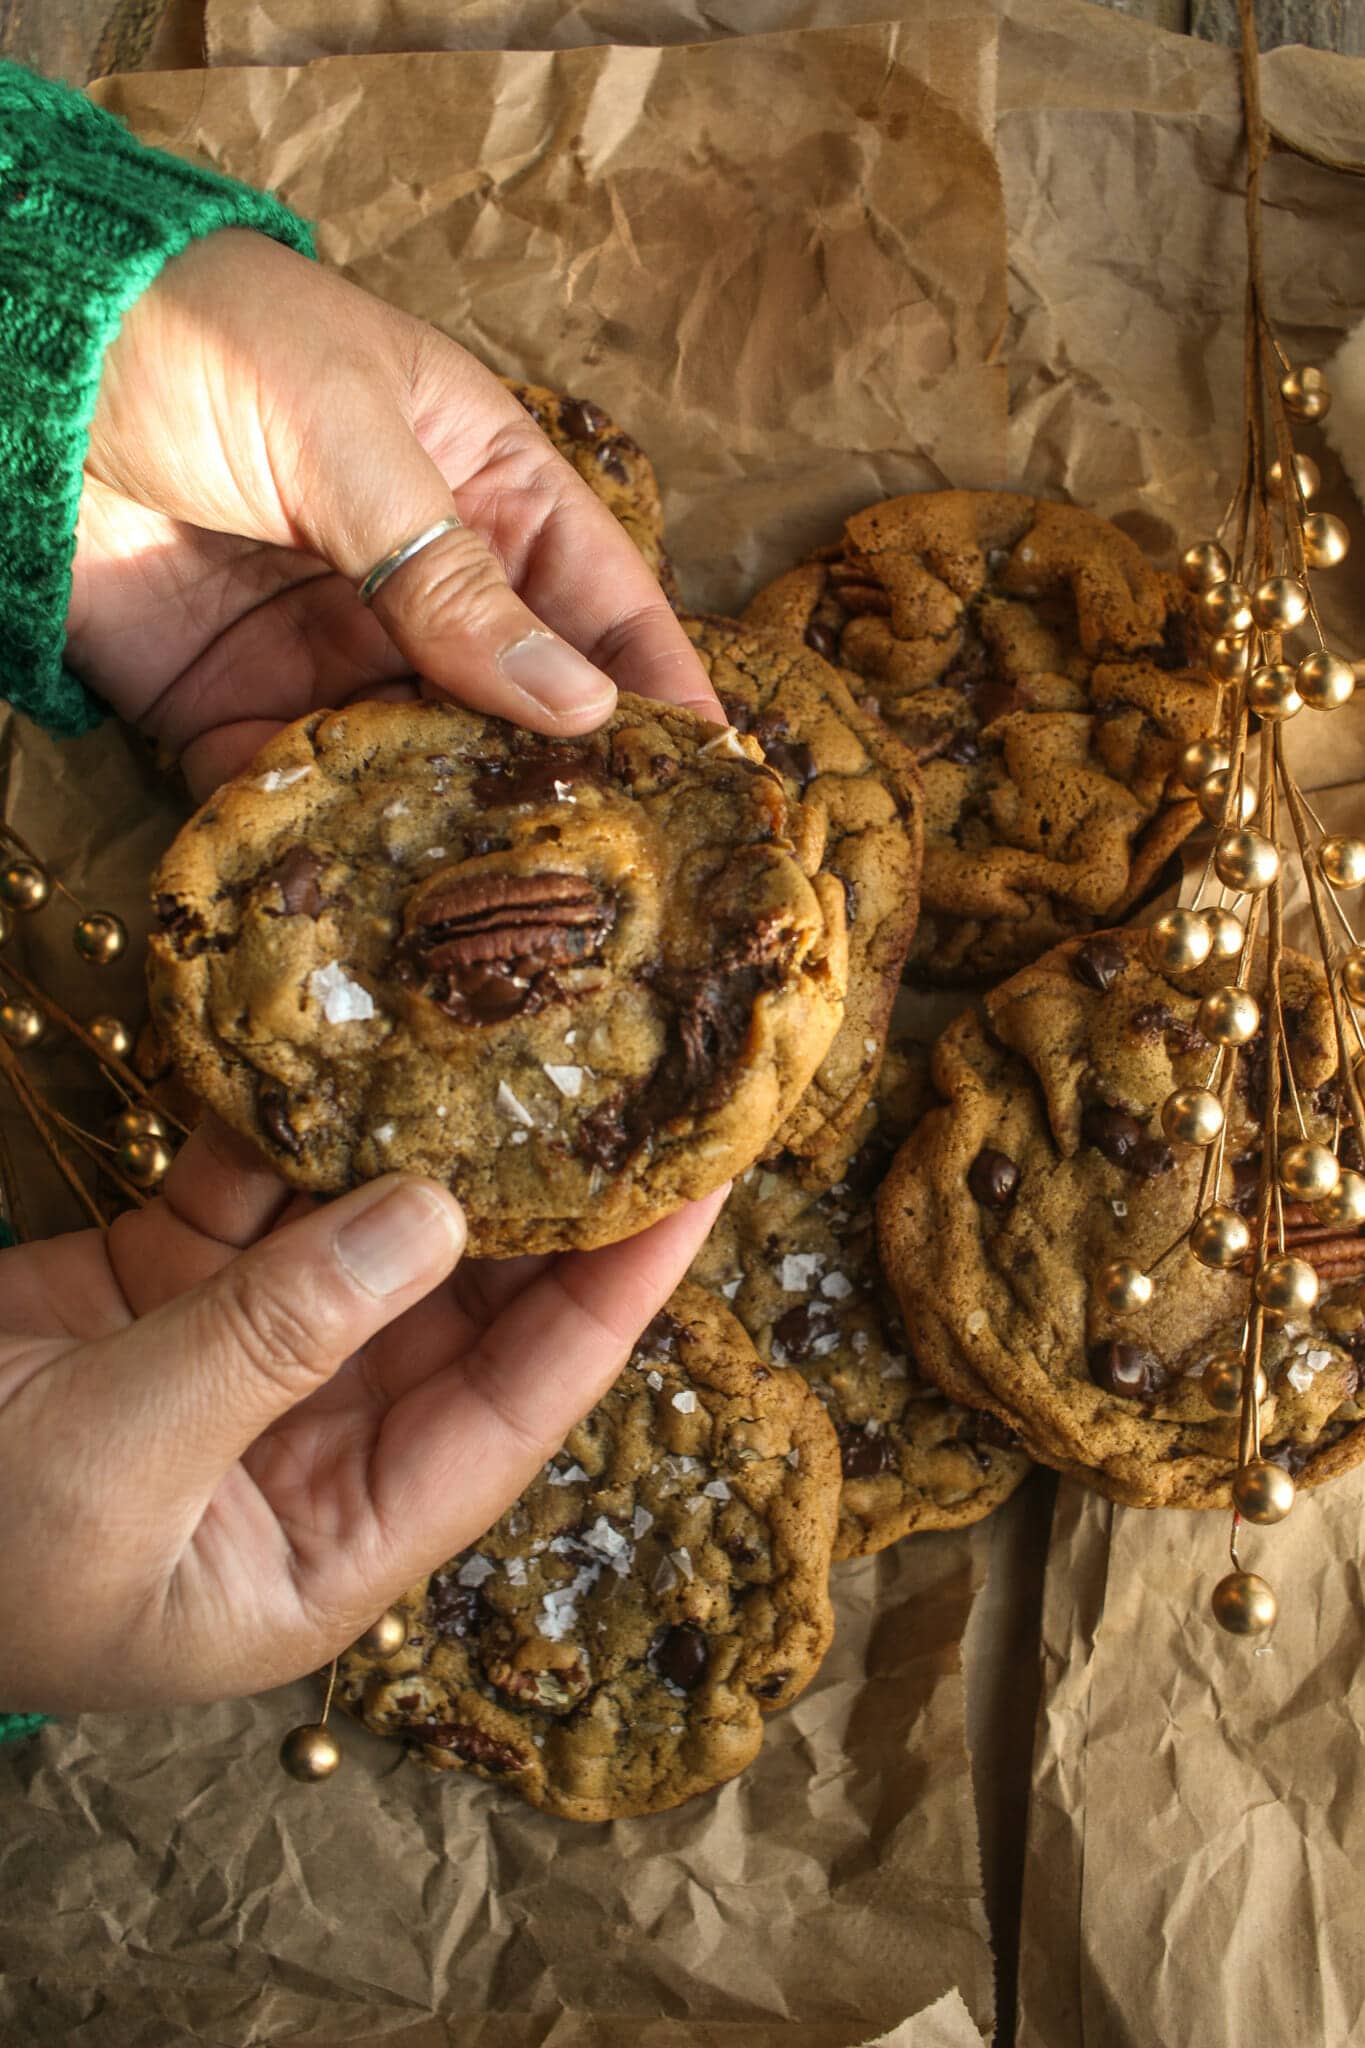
<point>382,570</point>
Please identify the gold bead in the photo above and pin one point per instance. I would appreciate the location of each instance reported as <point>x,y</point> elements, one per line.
<point>1203,564</point>
<point>1192,1116</point>
<point>1344,1207</point>
<point>1263,1492</point>
<point>1124,1287</point>
<point>23,885</point>
<point>145,1160</point>
<point>1353,974</point>
<point>385,1637</point>
<point>1222,1380</point>
<point>1342,860</point>
<point>1229,1016</point>
<point>1326,682</point>
<point>1227,933</point>
<point>111,1035</point>
<point>21,1023</point>
<point>1200,759</point>
<point>1273,693</point>
<point>1220,1237</point>
<point>1243,1604</point>
<point>1287,1286</point>
<point>1308,1171</point>
<point>1225,608</point>
<point>1245,860</point>
<point>1279,604</point>
<point>138,1121</point>
<point>1306,473</point>
<point>310,1753</point>
<point>1229,657</point>
<point>1306,393</point>
<point>100,938</point>
<point>1178,942</point>
<point>1213,797</point>
<point>1326,540</point>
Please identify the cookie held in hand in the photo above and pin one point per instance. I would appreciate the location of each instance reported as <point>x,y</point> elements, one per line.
<point>1049,1162</point>
<point>581,981</point>
<point>611,1645</point>
<point>1037,663</point>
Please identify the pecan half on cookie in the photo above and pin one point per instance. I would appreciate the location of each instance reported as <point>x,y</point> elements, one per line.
<point>580,981</point>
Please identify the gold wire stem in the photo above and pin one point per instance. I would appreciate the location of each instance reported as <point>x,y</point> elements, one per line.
<point>7,831</point>
<point>331,1688</point>
<point>34,1108</point>
<point>94,1149</point>
<point>1344,1063</point>
<point>122,1075</point>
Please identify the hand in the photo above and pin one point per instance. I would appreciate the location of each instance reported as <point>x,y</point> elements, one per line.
<point>237,1425</point>
<point>265,434</point>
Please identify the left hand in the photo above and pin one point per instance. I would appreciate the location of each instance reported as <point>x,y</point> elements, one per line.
<point>265,433</point>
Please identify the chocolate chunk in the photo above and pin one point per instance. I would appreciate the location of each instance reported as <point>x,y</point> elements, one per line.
<point>453,1609</point>
<point>1111,1131</point>
<point>1158,1020</point>
<point>772,1687</point>
<point>1149,1159</point>
<point>1246,1181</point>
<point>981,1427</point>
<point>272,1107</point>
<point>681,1655</point>
<point>860,1455</point>
<point>581,419</point>
<point>993,1179</point>
<point>1099,963</point>
<point>790,758</point>
<point>610,457</point>
<point>607,1135</point>
<point>659,1338</point>
<point>823,639</point>
<point>472,1746</point>
<point>963,749</point>
<point>531,778</point>
<point>798,1328</point>
<point>996,698</point>
<point>1128,1370</point>
<point>1289,1456</point>
<point>295,875</point>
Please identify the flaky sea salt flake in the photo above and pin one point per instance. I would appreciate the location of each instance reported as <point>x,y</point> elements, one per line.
<point>568,1080</point>
<point>343,1001</point>
<point>508,1105</point>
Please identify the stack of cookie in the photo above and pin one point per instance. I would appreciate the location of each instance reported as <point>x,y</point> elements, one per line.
<point>585,981</point>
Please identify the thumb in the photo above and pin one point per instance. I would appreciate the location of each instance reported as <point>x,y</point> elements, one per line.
<point>197,1380</point>
<point>450,608</point>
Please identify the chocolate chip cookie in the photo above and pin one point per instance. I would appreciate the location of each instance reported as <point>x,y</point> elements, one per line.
<point>860,807</point>
<point>580,982</point>
<point>799,1268</point>
<point>1048,1162</point>
<point>613,466</point>
<point>1036,662</point>
<point>611,1645</point>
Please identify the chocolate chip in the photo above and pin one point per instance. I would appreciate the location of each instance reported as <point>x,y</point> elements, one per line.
<point>1149,1159</point>
<point>472,1746</point>
<point>1128,1370</point>
<point>773,1686</point>
<point>295,874</point>
<point>1158,1020</point>
<point>607,1135</point>
<point>796,1329</point>
<point>860,1455</point>
<point>1289,1456</point>
<point>610,457</point>
<point>792,759</point>
<point>823,639</point>
<point>993,1179</point>
<point>453,1609</point>
<point>1111,1131</point>
<point>1246,1181</point>
<point>1099,963</point>
<point>980,1427</point>
<point>272,1107</point>
<point>681,1655</point>
<point>963,749</point>
<point>530,778</point>
<point>581,419</point>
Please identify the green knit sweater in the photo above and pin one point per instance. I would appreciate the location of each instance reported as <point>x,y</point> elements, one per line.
<point>88,216</point>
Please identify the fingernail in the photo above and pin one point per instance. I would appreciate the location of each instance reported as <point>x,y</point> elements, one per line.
<point>556,675</point>
<point>400,1238</point>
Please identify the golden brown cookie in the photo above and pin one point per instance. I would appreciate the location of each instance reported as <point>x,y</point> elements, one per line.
<point>1036,662</point>
<point>580,982</point>
<point>860,806</point>
<point>1048,1162</point>
<point>611,1645</point>
<point>613,466</point>
<point>799,1268</point>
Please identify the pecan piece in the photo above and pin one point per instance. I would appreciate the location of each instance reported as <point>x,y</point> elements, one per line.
<point>482,943</point>
<point>472,1746</point>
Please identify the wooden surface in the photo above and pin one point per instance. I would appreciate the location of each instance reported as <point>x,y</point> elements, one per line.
<point>84,39</point>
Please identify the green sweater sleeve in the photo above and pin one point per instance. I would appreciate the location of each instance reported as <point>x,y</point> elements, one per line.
<point>88,217</point>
